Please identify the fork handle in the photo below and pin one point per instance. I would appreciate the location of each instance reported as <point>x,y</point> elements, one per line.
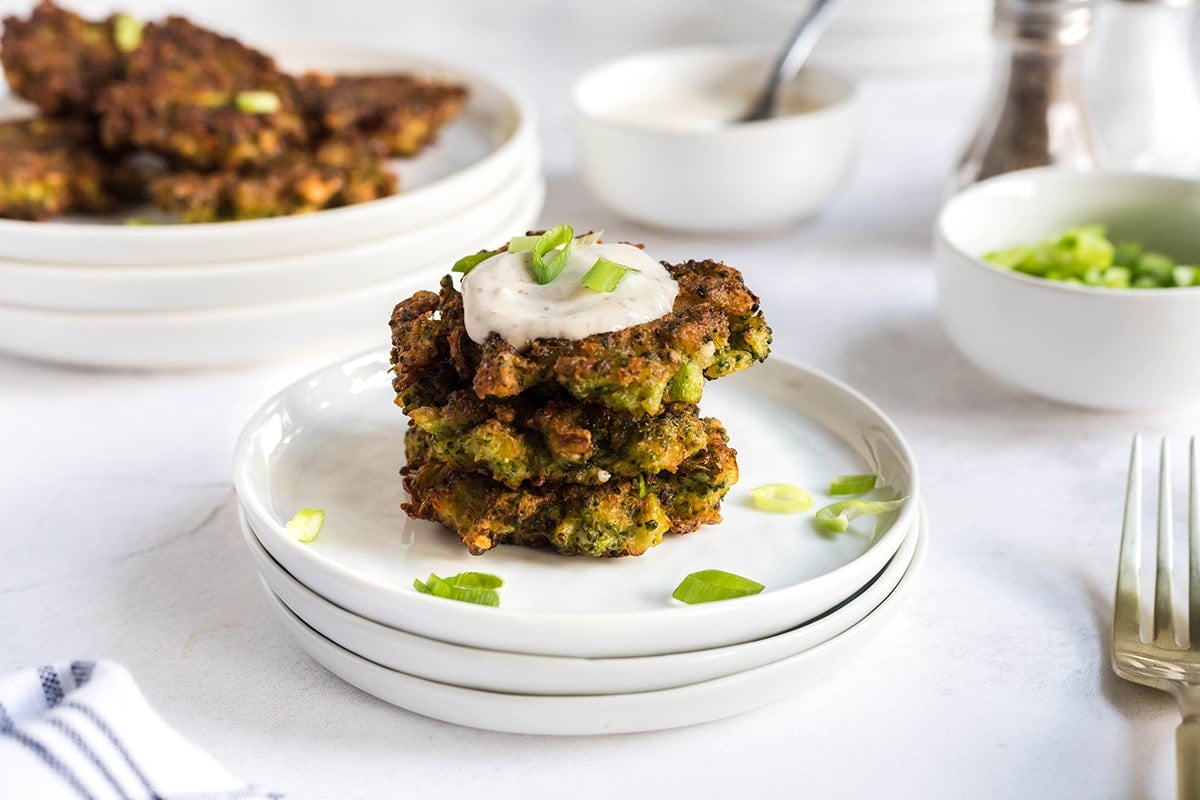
<point>1187,758</point>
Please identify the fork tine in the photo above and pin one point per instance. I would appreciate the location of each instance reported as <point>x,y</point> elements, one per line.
<point>1126,613</point>
<point>1193,548</point>
<point>1164,607</point>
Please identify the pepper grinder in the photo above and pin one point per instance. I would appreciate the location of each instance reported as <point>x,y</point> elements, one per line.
<point>1141,90</point>
<point>1034,115</point>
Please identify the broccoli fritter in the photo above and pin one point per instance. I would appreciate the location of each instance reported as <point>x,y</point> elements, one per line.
<point>47,167</point>
<point>715,329</point>
<point>298,183</point>
<point>399,114</point>
<point>626,516</point>
<point>58,60</point>
<point>560,440</point>
<point>184,95</point>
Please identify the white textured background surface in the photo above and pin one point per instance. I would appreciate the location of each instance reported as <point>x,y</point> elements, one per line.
<point>118,537</point>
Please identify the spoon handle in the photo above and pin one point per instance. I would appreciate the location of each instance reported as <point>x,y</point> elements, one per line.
<point>804,38</point>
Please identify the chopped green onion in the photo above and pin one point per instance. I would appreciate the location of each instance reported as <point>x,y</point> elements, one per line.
<point>139,222</point>
<point>710,585</point>
<point>605,275</point>
<point>688,384</point>
<point>852,484</point>
<point>837,517</point>
<point>466,587</point>
<point>557,240</point>
<point>257,102</point>
<point>519,244</point>
<point>589,238</point>
<point>468,263</point>
<point>781,498</point>
<point>306,524</point>
<point>1085,256</point>
<point>127,32</point>
<point>641,487</point>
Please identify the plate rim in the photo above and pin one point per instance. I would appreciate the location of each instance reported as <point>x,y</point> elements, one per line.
<point>569,710</point>
<point>524,133</point>
<point>438,608</point>
<point>777,645</point>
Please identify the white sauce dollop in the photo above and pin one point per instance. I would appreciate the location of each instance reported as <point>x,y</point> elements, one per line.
<point>501,296</point>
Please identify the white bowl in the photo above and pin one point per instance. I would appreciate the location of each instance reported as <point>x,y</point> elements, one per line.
<point>656,143</point>
<point>1104,348</point>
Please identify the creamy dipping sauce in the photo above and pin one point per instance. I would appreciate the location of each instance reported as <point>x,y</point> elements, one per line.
<point>501,296</point>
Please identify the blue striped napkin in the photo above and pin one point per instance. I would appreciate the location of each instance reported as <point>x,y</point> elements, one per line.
<point>83,729</point>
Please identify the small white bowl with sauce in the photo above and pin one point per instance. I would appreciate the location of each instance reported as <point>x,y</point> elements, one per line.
<point>659,142</point>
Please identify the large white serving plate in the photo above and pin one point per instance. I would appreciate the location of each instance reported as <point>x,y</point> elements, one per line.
<point>334,440</point>
<point>87,287</point>
<point>606,714</point>
<point>520,673</point>
<point>471,158</point>
<point>335,323</point>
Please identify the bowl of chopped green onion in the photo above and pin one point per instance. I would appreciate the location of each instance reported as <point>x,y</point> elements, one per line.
<point>1083,287</point>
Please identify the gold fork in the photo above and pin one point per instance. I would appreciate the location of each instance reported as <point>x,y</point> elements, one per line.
<point>1162,663</point>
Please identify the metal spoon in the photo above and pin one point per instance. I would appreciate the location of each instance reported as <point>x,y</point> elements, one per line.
<point>804,38</point>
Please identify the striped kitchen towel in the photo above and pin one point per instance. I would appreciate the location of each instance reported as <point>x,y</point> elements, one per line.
<point>83,729</point>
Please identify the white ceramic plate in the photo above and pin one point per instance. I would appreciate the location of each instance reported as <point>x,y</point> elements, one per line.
<point>518,673</point>
<point>337,322</point>
<point>606,714</point>
<point>66,287</point>
<point>471,158</point>
<point>334,440</point>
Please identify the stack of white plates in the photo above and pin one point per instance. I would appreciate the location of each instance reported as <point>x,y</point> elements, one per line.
<point>870,36</point>
<point>102,292</point>
<point>577,646</point>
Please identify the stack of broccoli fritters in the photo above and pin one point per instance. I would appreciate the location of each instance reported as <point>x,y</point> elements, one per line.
<point>219,132</point>
<point>593,446</point>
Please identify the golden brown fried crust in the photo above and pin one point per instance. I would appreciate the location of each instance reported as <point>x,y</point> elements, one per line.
<point>49,167</point>
<point>298,183</point>
<point>716,326</point>
<point>536,440</point>
<point>399,114</point>
<point>623,517</point>
<point>58,60</point>
<point>178,99</point>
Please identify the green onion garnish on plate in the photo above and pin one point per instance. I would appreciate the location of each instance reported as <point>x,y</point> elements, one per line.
<point>837,517</point>
<point>852,484</point>
<point>468,263</point>
<point>589,238</point>
<point>710,585</point>
<point>781,498</point>
<point>605,275</point>
<point>555,243</point>
<point>466,587</point>
<point>306,524</point>
<point>257,102</point>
